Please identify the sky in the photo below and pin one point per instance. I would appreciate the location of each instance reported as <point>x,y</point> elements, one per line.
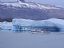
<point>52,2</point>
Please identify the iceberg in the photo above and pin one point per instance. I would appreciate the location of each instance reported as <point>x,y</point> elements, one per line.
<point>51,25</point>
<point>6,26</point>
<point>29,25</point>
<point>58,22</point>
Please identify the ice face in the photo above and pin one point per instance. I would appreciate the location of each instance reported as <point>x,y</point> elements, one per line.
<point>58,22</point>
<point>27,24</point>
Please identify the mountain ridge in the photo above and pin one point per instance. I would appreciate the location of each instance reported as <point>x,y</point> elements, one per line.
<point>31,10</point>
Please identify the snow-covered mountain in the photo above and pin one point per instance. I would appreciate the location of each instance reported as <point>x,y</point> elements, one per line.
<point>28,5</point>
<point>29,10</point>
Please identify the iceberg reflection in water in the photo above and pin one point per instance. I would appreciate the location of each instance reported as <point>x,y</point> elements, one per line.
<point>24,25</point>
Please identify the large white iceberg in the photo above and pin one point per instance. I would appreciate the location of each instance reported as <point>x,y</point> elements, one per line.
<point>27,24</point>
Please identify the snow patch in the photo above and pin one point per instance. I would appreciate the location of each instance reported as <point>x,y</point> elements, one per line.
<point>29,5</point>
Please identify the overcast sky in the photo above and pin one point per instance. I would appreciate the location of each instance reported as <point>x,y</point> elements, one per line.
<point>53,2</point>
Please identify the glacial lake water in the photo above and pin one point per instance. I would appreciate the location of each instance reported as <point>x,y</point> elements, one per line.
<point>10,39</point>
